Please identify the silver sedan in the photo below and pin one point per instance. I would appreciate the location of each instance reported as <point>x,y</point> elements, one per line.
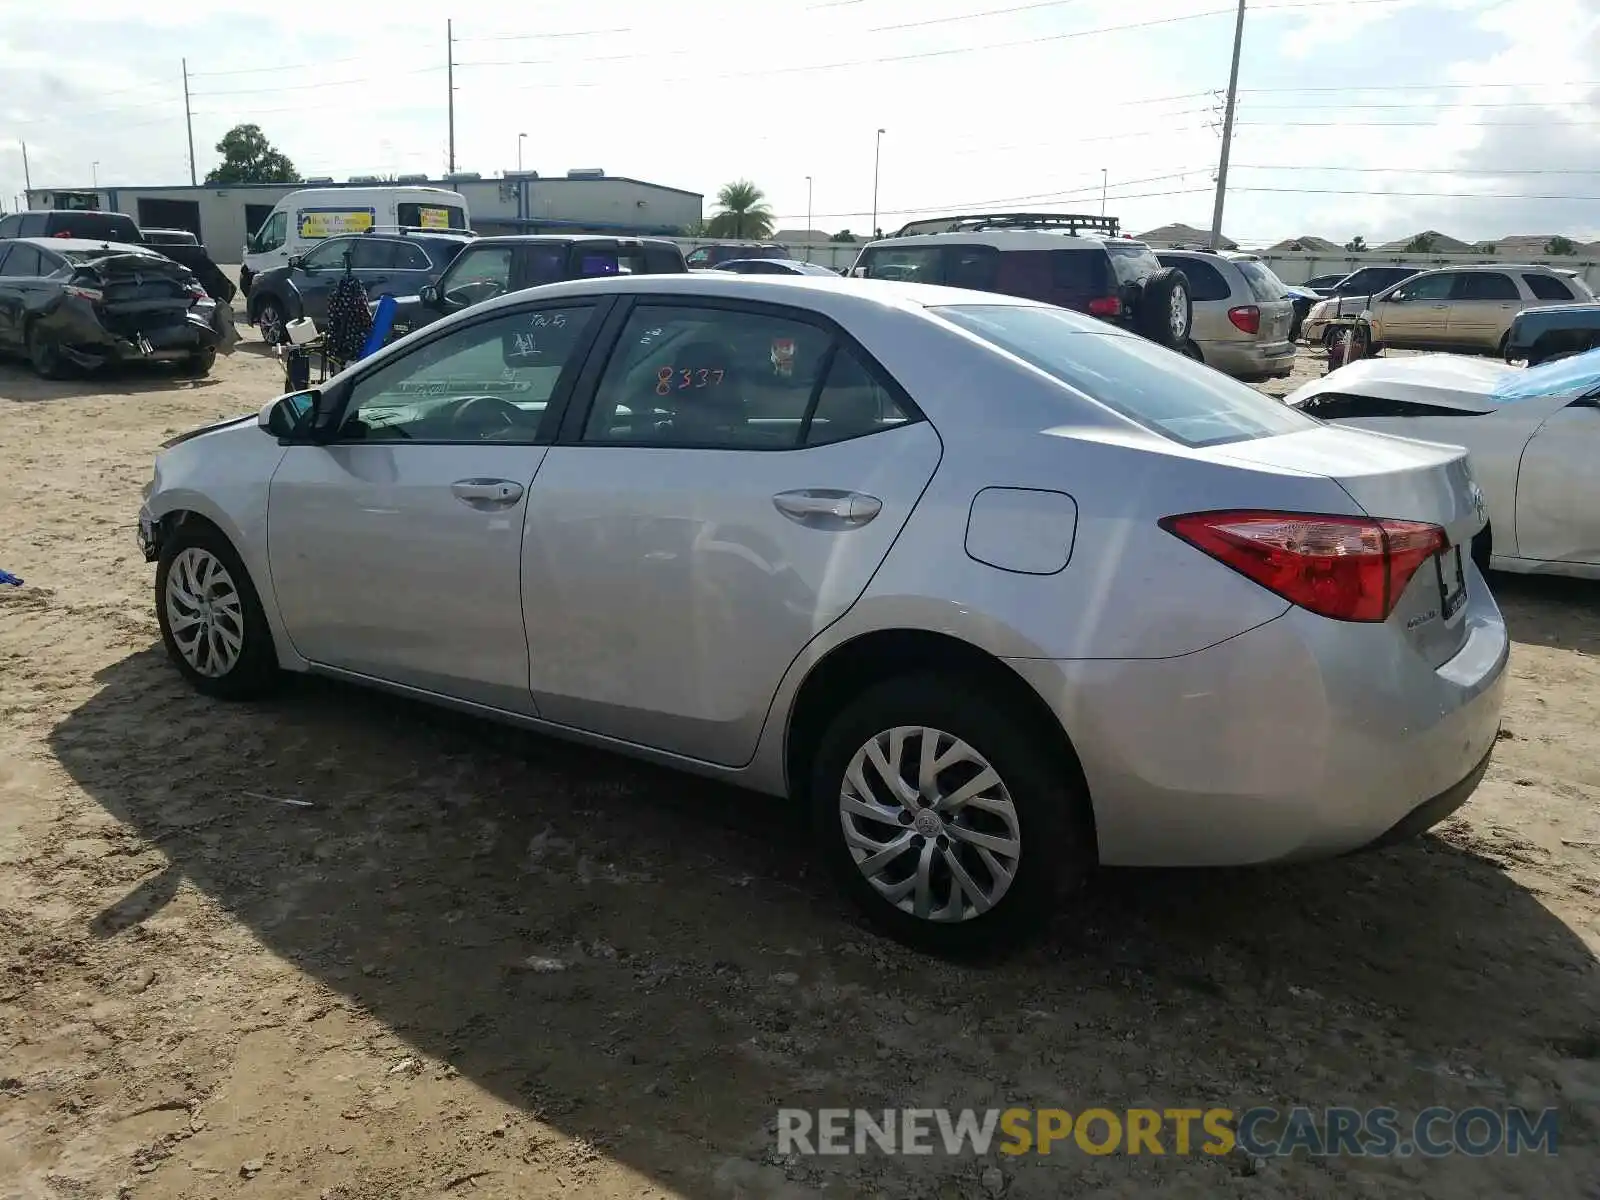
<point>997,591</point>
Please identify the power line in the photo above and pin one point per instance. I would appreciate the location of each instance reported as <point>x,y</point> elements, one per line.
<point>1415,195</point>
<point>528,37</point>
<point>1058,196</point>
<point>305,87</point>
<point>1430,170</point>
<point>1410,124</point>
<point>1038,4</point>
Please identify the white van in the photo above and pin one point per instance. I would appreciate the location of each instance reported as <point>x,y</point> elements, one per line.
<point>301,219</point>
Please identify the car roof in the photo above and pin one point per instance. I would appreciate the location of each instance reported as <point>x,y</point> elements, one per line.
<point>1477,267</point>
<point>500,239</point>
<point>61,243</point>
<point>1007,239</point>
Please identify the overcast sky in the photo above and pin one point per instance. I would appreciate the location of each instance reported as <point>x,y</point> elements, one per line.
<point>1478,118</point>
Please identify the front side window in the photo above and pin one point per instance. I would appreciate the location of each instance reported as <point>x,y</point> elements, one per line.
<point>1428,287</point>
<point>699,258</point>
<point>912,264</point>
<point>487,382</point>
<point>973,267</point>
<point>731,379</point>
<point>273,231</point>
<point>329,256</point>
<point>479,274</point>
<point>1485,285</point>
<point>1166,393</point>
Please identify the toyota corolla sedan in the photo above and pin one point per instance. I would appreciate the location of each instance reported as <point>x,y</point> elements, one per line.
<point>997,591</point>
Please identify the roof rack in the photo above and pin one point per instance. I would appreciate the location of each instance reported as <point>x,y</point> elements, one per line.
<point>1067,222</point>
<point>403,229</point>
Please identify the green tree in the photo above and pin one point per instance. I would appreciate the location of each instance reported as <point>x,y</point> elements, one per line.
<point>1560,245</point>
<point>742,212</point>
<point>247,157</point>
<point>1356,245</point>
<point>844,235</point>
<point>693,229</point>
<point>1423,243</point>
<point>1486,248</point>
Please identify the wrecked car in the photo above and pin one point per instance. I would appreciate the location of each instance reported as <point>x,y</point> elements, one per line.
<point>67,303</point>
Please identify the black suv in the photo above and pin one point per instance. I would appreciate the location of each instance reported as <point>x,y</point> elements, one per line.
<point>1077,262</point>
<point>703,258</point>
<point>492,266</point>
<point>397,263</point>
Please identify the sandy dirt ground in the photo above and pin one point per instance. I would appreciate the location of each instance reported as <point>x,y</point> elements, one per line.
<point>343,946</point>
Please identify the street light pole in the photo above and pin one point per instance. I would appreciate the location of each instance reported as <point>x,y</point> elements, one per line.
<point>877,156</point>
<point>1102,191</point>
<point>520,138</point>
<point>808,218</point>
<point>94,174</point>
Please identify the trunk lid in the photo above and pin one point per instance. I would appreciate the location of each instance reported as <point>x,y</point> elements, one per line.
<point>139,290</point>
<point>1401,478</point>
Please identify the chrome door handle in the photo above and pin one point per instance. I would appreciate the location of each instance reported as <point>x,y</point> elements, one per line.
<point>486,494</point>
<point>828,508</point>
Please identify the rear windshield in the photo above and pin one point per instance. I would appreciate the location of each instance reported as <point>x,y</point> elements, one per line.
<point>1264,284</point>
<point>1166,393</point>
<point>90,225</point>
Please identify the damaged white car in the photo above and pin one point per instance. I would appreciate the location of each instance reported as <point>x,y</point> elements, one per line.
<point>1533,435</point>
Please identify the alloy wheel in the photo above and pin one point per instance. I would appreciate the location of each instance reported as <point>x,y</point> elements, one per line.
<point>1178,312</point>
<point>929,824</point>
<point>205,613</point>
<point>270,322</point>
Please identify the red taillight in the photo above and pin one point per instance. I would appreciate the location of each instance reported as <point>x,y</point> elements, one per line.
<point>1346,568</point>
<point>198,292</point>
<point>1105,306</point>
<point>1246,318</point>
<point>92,295</point>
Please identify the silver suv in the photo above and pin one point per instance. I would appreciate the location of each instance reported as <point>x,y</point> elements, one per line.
<point>1242,314</point>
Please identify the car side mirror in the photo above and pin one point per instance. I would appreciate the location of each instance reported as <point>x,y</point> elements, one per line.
<point>429,295</point>
<point>287,416</point>
<point>297,261</point>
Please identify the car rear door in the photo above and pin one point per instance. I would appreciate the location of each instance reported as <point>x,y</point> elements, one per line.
<point>1417,313</point>
<point>690,533</point>
<point>1482,307</point>
<point>374,262</point>
<point>318,272</point>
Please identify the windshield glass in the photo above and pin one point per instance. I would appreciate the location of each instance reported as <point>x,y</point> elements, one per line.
<point>1578,374</point>
<point>1163,391</point>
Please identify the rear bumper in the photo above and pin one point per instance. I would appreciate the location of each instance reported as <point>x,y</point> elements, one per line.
<point>87,341</point>
<point>1250,360</point>
<point>1303,738</point>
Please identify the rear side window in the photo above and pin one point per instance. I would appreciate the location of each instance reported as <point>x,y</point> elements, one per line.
<point>975,267</point>
<point>1081,274</point>
<point>1484,285</point>
<point>23,260</point>
<point>110,227</point>
<point>913,264</point>
<point>431,216</point>
<point>1547,287</point>
<point>1205,281</point>
<point>1166,393</point>
<point>1132,261</point>
<point>1265,285</point>
<point>545,264</point>
<point>372,254</point>
<point>10,226</point>
<point>409,256</point>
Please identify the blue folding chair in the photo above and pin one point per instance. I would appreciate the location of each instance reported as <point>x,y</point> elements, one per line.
<point>382,323</point>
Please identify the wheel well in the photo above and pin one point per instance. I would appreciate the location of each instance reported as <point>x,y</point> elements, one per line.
<point>1483,547</point>
<point>870,659</point>
<point>178,518</point>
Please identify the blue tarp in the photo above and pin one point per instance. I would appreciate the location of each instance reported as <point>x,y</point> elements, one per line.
<point>1578,374</point>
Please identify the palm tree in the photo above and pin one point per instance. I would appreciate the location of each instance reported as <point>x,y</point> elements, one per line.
<point>1423,243</point>
<point>1356,244</point>
<point>742,212</point>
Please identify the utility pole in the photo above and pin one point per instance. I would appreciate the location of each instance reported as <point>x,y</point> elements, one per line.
<point>877,155</point>
<point>808,218</point>
<point>1227,132</point>
<point>188,120</point>
<point>450,82</point>
<point>27,180</point>
<point>1102,191</point>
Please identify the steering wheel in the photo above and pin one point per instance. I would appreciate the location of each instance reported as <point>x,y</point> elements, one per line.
<point>491,417</point>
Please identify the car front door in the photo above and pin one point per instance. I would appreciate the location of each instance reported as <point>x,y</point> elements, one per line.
<point>315,275</point>
<point>1482,307</point>
<point>373,262</point>
<point>20,270</point>
<point>1415,314</point>
<point>1558,487</point>
<point>395,548</point>
<point>692,530</point>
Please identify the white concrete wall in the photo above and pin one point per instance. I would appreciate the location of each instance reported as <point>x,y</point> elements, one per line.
<point>1297,268</point>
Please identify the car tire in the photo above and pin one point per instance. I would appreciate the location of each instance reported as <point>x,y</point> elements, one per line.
<point>244,282</point>
<point>199,363</point>
<point>1033,805</point>
<point>270,321</point>
<point>212,623</point>
<point>1166,312</point>
<point>1190,350</point>
<point>44,355</point>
